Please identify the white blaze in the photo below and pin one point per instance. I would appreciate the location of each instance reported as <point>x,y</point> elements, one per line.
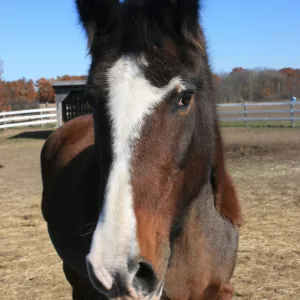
<point>131,99</point>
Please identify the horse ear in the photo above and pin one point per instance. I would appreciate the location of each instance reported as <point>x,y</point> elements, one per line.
<point>188,12</point>
<point>226,198</point>
<point>186,21</point>
<point>96,15</point>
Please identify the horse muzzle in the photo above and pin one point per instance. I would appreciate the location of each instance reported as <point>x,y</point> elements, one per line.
<point>142,285</point>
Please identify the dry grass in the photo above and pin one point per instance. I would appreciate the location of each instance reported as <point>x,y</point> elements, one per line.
<point>265,167</point>
<point>29,268</point>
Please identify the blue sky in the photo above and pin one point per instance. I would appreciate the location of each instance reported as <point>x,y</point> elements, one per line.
<point>43,38</point>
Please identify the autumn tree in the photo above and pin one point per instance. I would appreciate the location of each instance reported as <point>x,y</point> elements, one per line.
<point>31,94</point>
<point>260,84</point>
<point>1,86</point>
<point>69,77</point>
<point>292,82</point>
<point>238,69</point>
<point>3,103</point>
<point>21,90</point>
<point>1,69</point>
<point>45,90</point>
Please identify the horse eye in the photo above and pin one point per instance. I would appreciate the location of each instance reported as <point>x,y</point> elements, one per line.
<point>185,99</point>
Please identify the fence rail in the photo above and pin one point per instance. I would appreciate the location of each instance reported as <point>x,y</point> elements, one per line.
<point>28,117</point>
<point>244,114</point>
<point>232,112</point>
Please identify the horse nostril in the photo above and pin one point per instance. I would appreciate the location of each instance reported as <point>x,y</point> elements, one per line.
<point>145,279</point>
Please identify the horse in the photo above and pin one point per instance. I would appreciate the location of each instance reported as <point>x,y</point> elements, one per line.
<point>137,197</point>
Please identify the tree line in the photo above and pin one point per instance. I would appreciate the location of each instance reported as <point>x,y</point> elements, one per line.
<point>257,85</point>
<point>24,92</point>
<point>239,85</point>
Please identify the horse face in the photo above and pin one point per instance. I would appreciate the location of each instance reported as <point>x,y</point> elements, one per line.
<point>149,85</point>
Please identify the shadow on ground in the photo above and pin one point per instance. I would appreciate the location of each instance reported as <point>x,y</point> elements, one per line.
<point>38,135</point>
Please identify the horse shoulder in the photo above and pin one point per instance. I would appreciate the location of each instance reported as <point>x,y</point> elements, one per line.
<point>69,175</point>
<point>65,143</point>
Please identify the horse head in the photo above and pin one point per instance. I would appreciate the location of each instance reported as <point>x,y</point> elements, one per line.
<point>150,89</point>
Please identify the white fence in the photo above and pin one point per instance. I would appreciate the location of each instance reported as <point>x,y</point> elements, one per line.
<point>268,111</point>
<point>29,117</point>
<point>237,112</point>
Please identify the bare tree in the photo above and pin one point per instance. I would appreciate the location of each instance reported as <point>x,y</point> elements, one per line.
<point>259,84</point>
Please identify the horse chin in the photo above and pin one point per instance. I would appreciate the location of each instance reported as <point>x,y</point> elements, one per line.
<point>155,295</point>
<point>134,295</point>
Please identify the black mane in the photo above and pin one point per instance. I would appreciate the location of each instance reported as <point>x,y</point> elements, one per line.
<point>140,25</point>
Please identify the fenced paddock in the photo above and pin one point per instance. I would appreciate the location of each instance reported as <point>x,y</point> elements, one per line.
<point>233,114</point>
<point>30,117</point>
<point>267,113</point>
<point>264,163</point>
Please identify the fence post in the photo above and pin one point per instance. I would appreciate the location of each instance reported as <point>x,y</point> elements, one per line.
<point>4,122</point>
<point>245,115</point>
<point>41,112</point>
<point>292,114</point>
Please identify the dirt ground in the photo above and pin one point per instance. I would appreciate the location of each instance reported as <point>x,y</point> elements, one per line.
<point>265,165</point>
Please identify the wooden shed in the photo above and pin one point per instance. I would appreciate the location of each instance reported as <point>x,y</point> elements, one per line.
<point>70,102</point>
